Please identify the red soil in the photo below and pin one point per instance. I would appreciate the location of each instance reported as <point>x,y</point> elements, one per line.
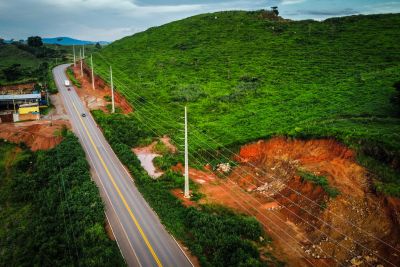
<point>17,87</point>
<point>178,193</point>
<point>306,225</point>
<point>94,99</point>
<point>37,135</point>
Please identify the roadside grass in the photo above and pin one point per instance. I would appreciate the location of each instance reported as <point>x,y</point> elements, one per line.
<point>72,78</point>
<point>244,78</point>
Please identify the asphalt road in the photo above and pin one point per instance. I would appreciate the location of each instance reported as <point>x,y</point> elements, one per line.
<point>141,237</point>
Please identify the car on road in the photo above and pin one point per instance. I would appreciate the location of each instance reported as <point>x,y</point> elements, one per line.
<point>69,89</point>
<point>83,115</point>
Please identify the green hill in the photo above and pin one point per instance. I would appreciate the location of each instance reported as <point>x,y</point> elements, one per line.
<point>247,75</point>
<point>22,63</point>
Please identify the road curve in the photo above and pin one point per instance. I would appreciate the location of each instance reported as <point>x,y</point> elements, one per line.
<point>140,235</point>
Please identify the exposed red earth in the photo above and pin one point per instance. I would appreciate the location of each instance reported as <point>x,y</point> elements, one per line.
<point>94,99</point>
<point>306,225</point>
<point>37,135</point>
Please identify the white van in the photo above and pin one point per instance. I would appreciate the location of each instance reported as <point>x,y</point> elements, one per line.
<point>66,83</point>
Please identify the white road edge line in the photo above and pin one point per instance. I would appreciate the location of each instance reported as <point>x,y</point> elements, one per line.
<point>109,200</point>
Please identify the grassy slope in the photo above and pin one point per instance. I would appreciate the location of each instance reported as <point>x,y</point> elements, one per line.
<point>246,77</point>
<point>11,54</point>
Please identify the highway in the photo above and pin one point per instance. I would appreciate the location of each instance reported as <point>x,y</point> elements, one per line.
<point>140,235</point>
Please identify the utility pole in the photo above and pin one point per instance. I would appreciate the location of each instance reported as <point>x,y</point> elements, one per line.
<point>186,191</point>
<point>80,54</point>
<point>83,51</point>
<point>73,48</point>
<point>91,63</point>
<point>112,91</point>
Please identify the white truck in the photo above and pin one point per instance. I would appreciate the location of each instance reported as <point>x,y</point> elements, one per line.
<point>67,83</point>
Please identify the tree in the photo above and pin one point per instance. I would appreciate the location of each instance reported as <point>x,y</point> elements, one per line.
<point>13,72</point>
<point>35,41</point>
<point>98,46</point>
<point>396,97</point>
<point>275,10</point>
<point>2,41</point>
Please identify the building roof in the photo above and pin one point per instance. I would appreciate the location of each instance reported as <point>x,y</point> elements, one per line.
<point>18,97</point>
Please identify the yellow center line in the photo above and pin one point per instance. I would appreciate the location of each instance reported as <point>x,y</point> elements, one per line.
<point>119,192</point>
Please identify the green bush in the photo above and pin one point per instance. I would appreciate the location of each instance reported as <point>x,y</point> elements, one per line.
<point>72,78</point>
<point>320,181</point>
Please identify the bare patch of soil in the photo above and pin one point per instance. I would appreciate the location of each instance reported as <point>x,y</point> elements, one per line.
<point>37,135</point>
<point>109,231</point>
<point>146,155</point>
<point>94,99</point>
<point>178,193</point>
<point>17,87</point>
<point>307,226</point>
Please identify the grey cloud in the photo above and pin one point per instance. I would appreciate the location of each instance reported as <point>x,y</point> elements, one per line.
<point>340,12</point>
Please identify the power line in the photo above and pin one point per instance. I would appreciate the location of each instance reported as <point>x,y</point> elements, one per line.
<point>200,156</point>
<point>324,222</point>
<point>297,192</point>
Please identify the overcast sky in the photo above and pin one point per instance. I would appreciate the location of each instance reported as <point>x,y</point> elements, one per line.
<point>109,20</point>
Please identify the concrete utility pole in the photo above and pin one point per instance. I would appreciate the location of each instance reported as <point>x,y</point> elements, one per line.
<point>186,192</point>
<point>80,54</point>
<point>112,91</point>
<point>91,63</point>
<point>73,48</point>
<point>83,51</point>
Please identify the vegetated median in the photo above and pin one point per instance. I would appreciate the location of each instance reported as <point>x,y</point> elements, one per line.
<point>261,77</point>
<point>216,235</point>
<point>51,212</point>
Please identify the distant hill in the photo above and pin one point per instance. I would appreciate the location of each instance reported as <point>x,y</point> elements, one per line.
<point>70,41</point>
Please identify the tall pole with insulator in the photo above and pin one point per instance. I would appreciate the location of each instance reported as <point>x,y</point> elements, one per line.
<point>186,191</point>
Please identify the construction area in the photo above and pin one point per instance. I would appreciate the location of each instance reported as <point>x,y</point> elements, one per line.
<point>21,102</point>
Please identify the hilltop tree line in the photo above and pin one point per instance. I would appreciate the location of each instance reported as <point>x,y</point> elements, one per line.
<point>32,67</point>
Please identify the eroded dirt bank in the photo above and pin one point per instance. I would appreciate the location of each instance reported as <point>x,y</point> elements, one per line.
<point>37,135</point>
<point>357,227</point>
<point>95,99</point>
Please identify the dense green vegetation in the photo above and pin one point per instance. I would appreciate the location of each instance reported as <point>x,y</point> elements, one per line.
<point>217,236</point>
<point>51,213</point>
<point>248,75</point>
<point>30,62</point>
<point>71,76</point>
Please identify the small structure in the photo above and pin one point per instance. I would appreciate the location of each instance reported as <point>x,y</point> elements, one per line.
<point>28,108</point>
<point>21,102</point>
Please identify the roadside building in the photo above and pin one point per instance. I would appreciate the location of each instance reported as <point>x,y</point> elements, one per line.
<point>22,101</point>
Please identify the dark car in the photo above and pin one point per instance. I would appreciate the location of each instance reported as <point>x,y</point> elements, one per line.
<point>83,115</point>
<point>69,89</point>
